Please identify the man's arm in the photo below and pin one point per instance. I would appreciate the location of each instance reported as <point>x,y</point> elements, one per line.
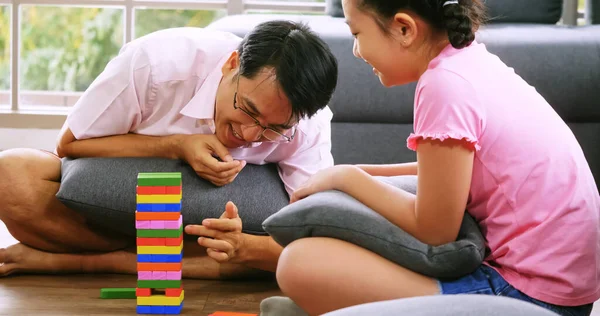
<point>128,145</point>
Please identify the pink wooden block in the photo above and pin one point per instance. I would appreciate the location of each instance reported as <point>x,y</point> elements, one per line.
<point>159,275</point>
<point>174,224</point>
<point>157,224</point>
<point>174,275</point>
<point>142,224</point>
<point>144,275</point>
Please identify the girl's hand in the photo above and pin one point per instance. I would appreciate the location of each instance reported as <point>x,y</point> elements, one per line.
<point>328,179</point>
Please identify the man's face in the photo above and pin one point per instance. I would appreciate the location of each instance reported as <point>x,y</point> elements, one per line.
<point>260,98</point>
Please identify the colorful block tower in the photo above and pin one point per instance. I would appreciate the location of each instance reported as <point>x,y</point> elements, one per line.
<point>159,243</point>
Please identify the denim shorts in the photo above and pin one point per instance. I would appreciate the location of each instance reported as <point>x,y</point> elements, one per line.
<point>486,280</point>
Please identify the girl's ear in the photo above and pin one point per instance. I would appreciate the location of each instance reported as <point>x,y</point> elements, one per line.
<point>404,28</point>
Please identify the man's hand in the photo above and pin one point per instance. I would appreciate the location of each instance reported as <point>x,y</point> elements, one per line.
<point>200,150</point>
<point>222,237</point>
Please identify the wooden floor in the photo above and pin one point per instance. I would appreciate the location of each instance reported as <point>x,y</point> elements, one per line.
<point>80,294</point>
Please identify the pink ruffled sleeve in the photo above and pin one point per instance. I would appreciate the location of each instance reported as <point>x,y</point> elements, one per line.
<point>446,106</point>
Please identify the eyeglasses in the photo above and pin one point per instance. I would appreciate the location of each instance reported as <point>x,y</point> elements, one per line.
<point>267,132</point>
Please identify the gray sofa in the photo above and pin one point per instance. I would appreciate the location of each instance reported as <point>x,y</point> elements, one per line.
<point>371,122</point>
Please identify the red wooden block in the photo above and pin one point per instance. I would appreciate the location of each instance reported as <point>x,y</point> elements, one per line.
<point>173,241</point>
<point>173,190</point>
<point>141,241</point>
<point>143,292</point>
<point>142,190</point>
<point>173,292</point>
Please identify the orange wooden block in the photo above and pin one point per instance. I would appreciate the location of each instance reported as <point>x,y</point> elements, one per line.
<point>143,292</point>
<point>173,292</point>
<point>157,216</point>
<point>141,241</point>
<point>231,314</point>
<point>173,241</point>
<point>152,266</point>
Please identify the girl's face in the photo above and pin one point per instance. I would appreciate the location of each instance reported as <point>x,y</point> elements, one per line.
<point>388,54</point>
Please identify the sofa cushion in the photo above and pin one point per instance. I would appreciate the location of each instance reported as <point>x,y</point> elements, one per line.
<point>499,11</point>
<point>104,191</point>
<point>337,215</point>
<point>447,305</point>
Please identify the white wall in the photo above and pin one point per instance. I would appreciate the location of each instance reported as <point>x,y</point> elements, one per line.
<point>30,138</point>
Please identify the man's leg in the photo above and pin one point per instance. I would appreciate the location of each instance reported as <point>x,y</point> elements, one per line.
<point>56,239</point>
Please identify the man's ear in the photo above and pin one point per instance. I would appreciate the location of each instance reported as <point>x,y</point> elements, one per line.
<point>232,63</point>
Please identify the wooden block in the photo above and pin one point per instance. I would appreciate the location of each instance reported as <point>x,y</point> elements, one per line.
<point>161,275</point>
<point>160,241</point>
<point>219,313</point>
<point>173,190</point>
<point>158,207</point>
<point>159,284</point>
<point>151,190</point>
<point>143,224</point>
<point>173,275</point>
<point>154,266</point>
<point>173,292</point>
<point>161,300</point>
<point>157,216</point>
<point>113,293</point>
<point>160,250</point>
<point>159,225</point>
<point>173,224</point>
<point>145,275</point>
<point>160,258</point>
<point>158,198</point>
<point>159,179</point>
<point>143,292</point>
<point>170,233</point>
<point>173,241</point>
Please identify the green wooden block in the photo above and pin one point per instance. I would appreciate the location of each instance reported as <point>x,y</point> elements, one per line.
<point>157,233</point>
<point>159,284</point>
<point>117,293</point>
<point>159,178</point>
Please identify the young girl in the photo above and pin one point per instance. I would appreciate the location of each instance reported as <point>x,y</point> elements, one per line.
<point>487,142</point>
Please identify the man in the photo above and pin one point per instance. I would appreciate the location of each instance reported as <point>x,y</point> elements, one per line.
<point>203,96</point>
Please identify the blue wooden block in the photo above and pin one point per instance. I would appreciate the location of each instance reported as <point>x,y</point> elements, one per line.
<point>156,207</point>
<point>160,258</point>
<point>140,309</point>
<point>157,309</point>
<point>173,310</point>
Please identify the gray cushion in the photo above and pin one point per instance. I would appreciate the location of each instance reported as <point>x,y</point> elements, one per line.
<point>103,189</point>
<point>499,11</point>
<point>447,305</point>
<point>337,215</point>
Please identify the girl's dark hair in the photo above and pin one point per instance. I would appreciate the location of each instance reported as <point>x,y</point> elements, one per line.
<point>460,20</point>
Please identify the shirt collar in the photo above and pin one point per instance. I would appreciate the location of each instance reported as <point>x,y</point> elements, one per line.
<point>202,104</point>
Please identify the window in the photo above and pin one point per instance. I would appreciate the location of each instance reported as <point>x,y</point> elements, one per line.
<point>65,44</point>
<point>5,56</point>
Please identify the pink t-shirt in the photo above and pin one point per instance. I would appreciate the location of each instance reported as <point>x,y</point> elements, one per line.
<point>532,191</point>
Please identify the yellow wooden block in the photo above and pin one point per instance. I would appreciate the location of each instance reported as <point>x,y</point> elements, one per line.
<point>158,198</point>
<point>160,300</point>
<point>160,250</point>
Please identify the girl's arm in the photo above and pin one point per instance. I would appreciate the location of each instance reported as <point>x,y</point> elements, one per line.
<point>401,169</point>
<point>434,215</point>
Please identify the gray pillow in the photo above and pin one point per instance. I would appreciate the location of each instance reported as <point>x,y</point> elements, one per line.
<point>499,11</point>
<point>103,189</point>
<point>337,215</point>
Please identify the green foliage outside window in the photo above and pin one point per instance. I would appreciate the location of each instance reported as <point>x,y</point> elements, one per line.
<point>65,48</point>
